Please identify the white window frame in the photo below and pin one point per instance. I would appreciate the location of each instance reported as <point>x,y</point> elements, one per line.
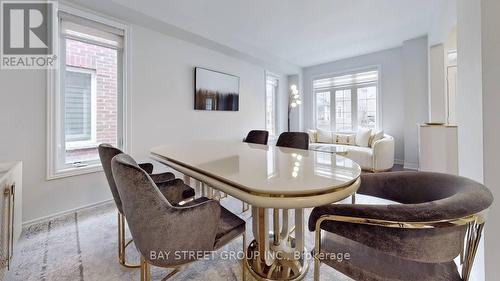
<point>354,97</point>
<point>73,145</point>
<point>54,170</point>
<point>333,113</point>
<point>315,109</point>
<point>272,134</point>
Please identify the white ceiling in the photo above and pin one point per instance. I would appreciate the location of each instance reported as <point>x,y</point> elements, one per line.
<point>302,32</point>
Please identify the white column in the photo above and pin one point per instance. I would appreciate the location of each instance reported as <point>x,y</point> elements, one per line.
<point>491,104</point>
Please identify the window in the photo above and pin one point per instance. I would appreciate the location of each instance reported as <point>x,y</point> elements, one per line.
<point>272,83</point>
<point>367,107</point>
<point>86,106</point>
<point>355,101</point>
<point>343,115</point>
<point>80,107</point>
<point>323,110</point>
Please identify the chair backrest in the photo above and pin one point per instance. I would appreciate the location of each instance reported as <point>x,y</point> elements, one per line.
<point>298,140</point>
<point>427,196</point>
<point>423,197</point>
<point>156,226</point>
<point>106,153</point>
<point>257,136</point>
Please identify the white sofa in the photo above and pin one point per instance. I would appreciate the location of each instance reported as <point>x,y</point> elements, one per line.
<point>378,156</point>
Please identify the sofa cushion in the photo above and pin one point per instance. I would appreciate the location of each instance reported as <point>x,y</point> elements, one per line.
<point>376,135</point>
<point>361,155</point>
<point>380,158</point>
<point>324,136</point>
<point>363,137</point>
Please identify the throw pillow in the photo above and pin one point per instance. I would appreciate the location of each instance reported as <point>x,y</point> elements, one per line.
<point>324,136</point>
<point>363,137</point>
<point>312,135</point>
<point>349,139</point>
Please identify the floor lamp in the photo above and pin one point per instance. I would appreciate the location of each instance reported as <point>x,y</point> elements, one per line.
<point>293,101</point>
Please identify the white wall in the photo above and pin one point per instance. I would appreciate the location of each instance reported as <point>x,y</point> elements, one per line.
<point>442,38</point>
<point>491,105</point>
<point>469,107</point>
<point>403,91</point>
<point>469,90</point>
<point>161,110</point>
<point>437,84</point>
<point>162,93</point>
<point>414,55</point>
<point>443,21</point>
<point>23,123</point>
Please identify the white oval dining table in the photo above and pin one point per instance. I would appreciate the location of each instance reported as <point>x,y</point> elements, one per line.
<point>270,179</point>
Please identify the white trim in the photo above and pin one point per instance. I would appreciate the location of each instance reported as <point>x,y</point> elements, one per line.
<point>92,15</point>
<point>399,161</point>
<point>275,102</point>
<point>77,171</point>
<point>54,87</point>
<point>124,142</point>
<point>411,166</point>
<point>62,213</point>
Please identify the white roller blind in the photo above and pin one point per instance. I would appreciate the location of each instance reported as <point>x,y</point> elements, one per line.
<point>89,31</point>
<point>78,96</point>
<point>346,80</point>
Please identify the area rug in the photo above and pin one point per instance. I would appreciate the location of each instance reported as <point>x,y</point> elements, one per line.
<point>82,246</point>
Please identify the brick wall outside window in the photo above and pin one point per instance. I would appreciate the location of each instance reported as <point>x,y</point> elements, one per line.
<point>104,62</point>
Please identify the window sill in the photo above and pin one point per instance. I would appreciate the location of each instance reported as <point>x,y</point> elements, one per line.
<point>81,146</point>
<point>74,171</point>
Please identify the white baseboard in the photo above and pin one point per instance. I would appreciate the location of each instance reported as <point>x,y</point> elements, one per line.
<point>411,166</point>
<point>399,161</point>
<point>49,217</point>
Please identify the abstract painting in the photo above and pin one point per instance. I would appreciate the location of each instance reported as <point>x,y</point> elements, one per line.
<point>216,90</point>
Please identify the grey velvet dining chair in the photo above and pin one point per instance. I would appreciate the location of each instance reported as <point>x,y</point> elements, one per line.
<point>157,226</point>
<point>172,188</point>
<point>297,140</point>
<point>434,219</point>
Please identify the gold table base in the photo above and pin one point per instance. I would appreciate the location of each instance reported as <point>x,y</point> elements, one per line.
<point>279,266</point>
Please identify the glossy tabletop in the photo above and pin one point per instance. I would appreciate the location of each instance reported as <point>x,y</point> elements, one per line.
<point>262,169</point>
<point>342,150</point>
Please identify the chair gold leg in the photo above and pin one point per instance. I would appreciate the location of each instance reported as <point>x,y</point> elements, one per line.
<point>475,231</point>
<point>317,246</point>
<point>171,274</point>
<point>145,272</point>
<point>243,276</point>
<point>122,245</point>
<point>120,239</point>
